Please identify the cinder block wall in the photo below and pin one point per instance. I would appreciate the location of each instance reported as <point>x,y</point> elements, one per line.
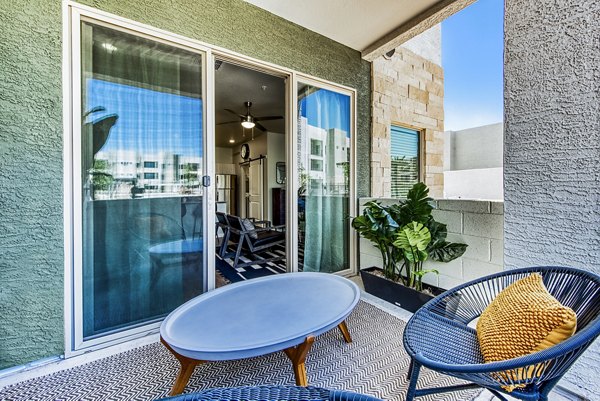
<point>476,223</point>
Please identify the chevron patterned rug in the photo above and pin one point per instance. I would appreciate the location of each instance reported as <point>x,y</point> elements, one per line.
<point>374,363</point>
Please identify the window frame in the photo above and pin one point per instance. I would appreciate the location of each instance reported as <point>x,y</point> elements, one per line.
<point>421,151</point>
<point>319,147</point>
<point>73,14</point>
<point>316,163</point>
<point>304,79</point>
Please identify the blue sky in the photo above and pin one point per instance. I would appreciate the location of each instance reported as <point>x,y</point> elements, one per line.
<point>327,109</point>
<point>149,121</point>
<point>472,57</point>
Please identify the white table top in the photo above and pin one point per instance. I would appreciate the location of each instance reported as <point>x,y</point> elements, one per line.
<point>259,316</point>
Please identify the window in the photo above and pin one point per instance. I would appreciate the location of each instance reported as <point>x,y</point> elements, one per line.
<point>316,147</point>
<point>135,92</point>
<point>324,126</point>
<point>316,165</point>
<point>404,152</point>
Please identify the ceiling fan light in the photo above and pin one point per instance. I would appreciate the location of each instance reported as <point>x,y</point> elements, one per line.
<point>248,124</point>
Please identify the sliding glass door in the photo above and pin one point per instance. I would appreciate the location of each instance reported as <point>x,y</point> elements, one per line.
<point>141,229</point>
<point>325,183</point>
<point>140,180</point>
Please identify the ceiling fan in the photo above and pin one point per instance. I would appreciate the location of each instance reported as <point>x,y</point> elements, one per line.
<point>248,120</point>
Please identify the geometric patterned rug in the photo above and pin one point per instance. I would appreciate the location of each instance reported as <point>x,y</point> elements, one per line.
<point>259,269</point>
<point>374,363</point>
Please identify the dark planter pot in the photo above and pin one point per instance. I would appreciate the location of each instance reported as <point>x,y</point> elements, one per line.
<point>396,293</point>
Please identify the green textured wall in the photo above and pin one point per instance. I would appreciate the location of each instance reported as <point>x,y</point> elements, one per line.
<point>31,227</point>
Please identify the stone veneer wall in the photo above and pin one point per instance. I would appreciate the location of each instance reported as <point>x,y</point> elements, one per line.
<point>552,145</point>
<point>476,223</point>
<point>408,90</point>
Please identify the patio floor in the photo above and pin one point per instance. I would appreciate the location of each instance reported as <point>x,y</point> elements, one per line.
<point>374,363</point>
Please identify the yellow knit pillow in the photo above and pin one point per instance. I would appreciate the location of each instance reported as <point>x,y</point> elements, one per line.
<point>524,318</point>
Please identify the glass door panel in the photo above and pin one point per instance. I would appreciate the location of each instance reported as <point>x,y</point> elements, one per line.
<point>324,129</point>
<point>141,171</point>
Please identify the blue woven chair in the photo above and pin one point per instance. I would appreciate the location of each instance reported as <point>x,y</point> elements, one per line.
<point>274,393</point>
<point>439,338</point>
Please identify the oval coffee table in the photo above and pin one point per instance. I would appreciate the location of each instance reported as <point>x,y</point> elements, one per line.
<point>277,313</point>
<point>190,252</point>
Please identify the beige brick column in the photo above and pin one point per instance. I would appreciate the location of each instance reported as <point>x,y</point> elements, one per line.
<point>408,90</point>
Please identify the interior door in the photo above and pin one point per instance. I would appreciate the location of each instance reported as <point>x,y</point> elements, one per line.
<point>254,197</point>
<point>139,161</point>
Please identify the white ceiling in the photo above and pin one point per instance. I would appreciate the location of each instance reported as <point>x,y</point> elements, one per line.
<point>354,23</point>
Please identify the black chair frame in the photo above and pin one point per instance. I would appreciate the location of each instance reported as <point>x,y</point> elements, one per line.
<point>243,241</point>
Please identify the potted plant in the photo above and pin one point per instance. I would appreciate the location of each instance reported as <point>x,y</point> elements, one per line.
<point>407,235</point>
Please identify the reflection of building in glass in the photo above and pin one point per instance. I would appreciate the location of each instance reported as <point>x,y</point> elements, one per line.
<point>324,158</point>
<point>136,174</point>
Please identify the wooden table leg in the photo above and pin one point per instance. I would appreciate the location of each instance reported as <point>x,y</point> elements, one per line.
<point>345,332</point>
<point>187,368</point>
<point>297,355</point>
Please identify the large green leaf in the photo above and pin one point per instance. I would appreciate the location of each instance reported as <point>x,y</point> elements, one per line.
<point>447,251</point>
<point>363,225</point>
<point>438,231</point>
<point>375,224</point>
<point>413,239</point>
<point>416,207</point>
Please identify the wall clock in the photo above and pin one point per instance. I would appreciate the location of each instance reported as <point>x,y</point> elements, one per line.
<point>245,151</point>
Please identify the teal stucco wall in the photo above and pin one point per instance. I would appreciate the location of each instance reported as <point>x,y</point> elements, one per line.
<point>31,220</point>
<point>31,166</point>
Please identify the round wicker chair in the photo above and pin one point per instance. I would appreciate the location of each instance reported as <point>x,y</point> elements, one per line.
<point>274,393</point>
<point>439,336</point>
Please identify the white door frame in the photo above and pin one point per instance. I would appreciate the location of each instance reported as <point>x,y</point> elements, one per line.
<point>73,14</point>
<point>350,92</point>
<point>252,170</point>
